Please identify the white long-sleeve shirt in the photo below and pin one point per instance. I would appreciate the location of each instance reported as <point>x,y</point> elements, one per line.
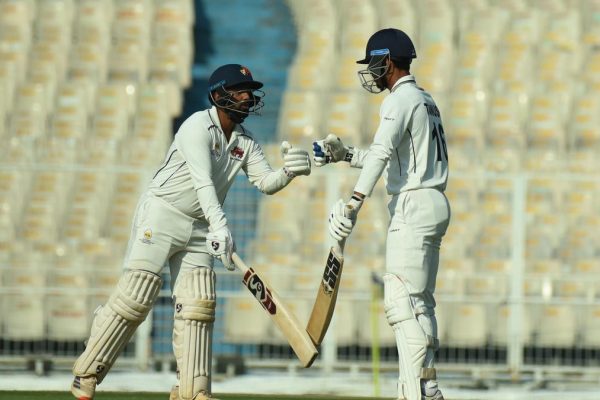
<point>201,165</point>
<point>409,147</point>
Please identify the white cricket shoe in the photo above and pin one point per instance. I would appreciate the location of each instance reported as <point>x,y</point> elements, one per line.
<point>83,388</point>
<point>431,391</point>
<point>436,396</point>
<point>200,396</point>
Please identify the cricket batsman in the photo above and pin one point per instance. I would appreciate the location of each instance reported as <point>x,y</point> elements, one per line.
<point>409,149</point>
<point>180,221</point>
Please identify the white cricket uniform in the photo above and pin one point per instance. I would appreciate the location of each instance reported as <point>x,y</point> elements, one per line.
<point>186,194</point>
<point>409,149</point>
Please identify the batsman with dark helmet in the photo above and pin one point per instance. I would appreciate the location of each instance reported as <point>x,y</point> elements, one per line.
<point>180,221</point>
<point>409,149</point>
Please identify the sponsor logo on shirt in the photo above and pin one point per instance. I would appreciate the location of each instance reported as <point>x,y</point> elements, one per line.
<point>216,151</point>
<point>147,236</point>
<point>237,153</point>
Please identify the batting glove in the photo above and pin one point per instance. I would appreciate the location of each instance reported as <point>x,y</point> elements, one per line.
<point>220,245</point>
<point>342,218</point>
<point>331,150</point>
<point>295,161</point>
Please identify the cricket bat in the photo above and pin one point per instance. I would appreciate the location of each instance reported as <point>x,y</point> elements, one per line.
<point>324,306</point>
<point>285,320</point>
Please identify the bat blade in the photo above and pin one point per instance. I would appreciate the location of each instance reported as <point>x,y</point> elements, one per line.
<point>324,306</point>
<point>284,319</point>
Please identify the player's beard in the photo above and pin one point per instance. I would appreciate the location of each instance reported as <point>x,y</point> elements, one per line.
<point>238,113</point>
<point>381,83</point>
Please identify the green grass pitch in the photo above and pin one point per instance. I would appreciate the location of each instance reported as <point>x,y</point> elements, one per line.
<point>158,396</point>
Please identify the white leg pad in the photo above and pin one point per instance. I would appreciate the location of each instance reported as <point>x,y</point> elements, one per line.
<point>116,321</point>
<point>412,340</point>
<point>195,302</point>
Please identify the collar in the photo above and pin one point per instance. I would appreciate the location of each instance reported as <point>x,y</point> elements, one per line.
<point>214,118</point>
<point>404,79</point>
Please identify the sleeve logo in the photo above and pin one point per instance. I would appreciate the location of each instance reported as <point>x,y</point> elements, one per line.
<point>147,236</point>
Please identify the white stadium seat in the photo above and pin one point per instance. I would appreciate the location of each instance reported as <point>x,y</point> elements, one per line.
<point>554,325</point>
<point>465,315</point>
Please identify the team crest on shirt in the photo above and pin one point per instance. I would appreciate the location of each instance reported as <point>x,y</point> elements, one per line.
<point>237,153</point>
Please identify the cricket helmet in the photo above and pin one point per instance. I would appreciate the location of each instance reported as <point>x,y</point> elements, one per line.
<point>383,46</point>
<point>227,81</point>
<point>390,41</point>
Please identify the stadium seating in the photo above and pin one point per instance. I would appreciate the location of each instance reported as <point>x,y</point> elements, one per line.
<point>506,110</point>
<point>246,321</point>
<point>76,91</point>
<point>554,325</point>
<point>590,326</point>
<point>501,324</point>
<point>88,91</point>
<point>461,315</point>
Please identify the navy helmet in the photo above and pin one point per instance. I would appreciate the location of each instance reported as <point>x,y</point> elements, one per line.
<point>383,46</point>
<point>390,41</point>
<point>232,76</point>
<point>229,79</point>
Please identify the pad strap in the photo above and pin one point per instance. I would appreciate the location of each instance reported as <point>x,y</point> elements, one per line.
<point>428,373</point>
<point>196,310</point>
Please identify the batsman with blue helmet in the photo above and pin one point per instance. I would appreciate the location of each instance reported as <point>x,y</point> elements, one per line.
<point>409,150</point>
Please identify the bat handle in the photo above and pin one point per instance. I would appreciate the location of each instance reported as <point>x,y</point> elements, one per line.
<point>349,212</point>
<point>239,263</point>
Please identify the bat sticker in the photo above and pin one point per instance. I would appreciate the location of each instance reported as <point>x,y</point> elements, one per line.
<point>331,273</point>
<point>256,286</point>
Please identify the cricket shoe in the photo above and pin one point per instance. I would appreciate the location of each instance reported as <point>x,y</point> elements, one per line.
<point>436,396</point>
<point>431,391</point>
<point>83,388</point>
<point>200,396</point>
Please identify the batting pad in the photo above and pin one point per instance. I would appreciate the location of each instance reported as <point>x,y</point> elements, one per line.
<point>194,295</point>
<point>411,338</point>
<point>116,321</point>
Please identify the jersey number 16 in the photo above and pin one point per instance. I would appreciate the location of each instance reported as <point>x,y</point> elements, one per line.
<point>438,135</point>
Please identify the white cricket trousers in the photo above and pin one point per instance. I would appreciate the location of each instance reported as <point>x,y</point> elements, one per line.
<point>161,234</point>
<point>419,219</point>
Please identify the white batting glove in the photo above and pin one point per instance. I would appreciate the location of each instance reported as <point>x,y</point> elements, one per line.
<point>330,150</point>
<point>295,161</point>
<point>220,245</point>
<point>342,218</point>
